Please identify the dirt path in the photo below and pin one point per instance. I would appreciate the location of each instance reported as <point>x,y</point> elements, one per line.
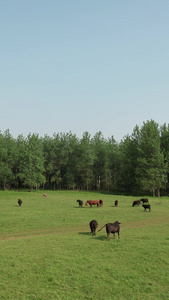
<point>75,229</point>
<point>41,232</point>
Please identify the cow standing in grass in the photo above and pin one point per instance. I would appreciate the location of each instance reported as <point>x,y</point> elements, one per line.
<point>20,202</point>
<point>136,202</point>
<point>144,200</point>
<point>112,228</point>
<point>92,202</point>
<point>93,225</point>
<point>101,202</point>
<point>146,206</point>
<point>116,203</point>
<point>80,203</point>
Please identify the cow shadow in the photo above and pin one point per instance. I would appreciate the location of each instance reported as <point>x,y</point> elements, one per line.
<point>79,207</point>
<point>85,233</point>
<point>101,238</point>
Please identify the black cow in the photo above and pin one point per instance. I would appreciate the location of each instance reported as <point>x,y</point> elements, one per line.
<point>146,206</point>
<point>93,225</point>
<point>116,203</point>
<point>80,203</point>
<point>101,202</point>
<point>136,202</point>
<point>112,228</point>
<point>144,200</point>
<point>20,202</point>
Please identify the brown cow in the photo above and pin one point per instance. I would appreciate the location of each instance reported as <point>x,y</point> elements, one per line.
<point>45,195</point>
<point>92,202</point>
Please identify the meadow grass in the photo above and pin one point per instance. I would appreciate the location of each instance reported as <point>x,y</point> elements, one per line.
<point>47,251</point>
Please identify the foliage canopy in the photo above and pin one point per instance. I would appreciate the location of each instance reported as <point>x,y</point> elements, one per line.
<point>138,164</point>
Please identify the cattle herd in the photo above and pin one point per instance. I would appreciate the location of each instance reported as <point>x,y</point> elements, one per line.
<point>143,200</point>
<point>111,227</point>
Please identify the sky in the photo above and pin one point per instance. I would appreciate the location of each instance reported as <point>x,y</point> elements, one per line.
<point>83,65</point>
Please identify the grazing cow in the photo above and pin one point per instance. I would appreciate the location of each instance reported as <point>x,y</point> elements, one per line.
<point>116,203</point>
<point>112,228</point>
<point>146,206</point>
<point>45,195</point>
<point>92,202</point>
<point>20,202</point>
<point>93,225</point>
<point>101,202</point>
<point>80,203</point>
<point>144,200</point>
<point>136,202</point>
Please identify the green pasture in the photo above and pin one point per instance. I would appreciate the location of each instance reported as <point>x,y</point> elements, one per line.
<point>47,251</point>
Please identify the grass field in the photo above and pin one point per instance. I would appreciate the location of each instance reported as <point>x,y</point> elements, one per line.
<point>47,251</point>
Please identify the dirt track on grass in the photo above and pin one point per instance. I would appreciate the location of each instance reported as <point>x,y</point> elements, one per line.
<point>41,232</point>
<point>83,229</point>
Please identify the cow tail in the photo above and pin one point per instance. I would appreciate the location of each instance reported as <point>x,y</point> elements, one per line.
<point>102,227</point>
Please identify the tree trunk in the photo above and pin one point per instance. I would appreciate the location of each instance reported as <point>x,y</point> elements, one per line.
<point>153,192</point>
<point>158,192</point>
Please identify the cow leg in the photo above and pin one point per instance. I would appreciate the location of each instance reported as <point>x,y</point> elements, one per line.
<point>108,236</point>
<point>114,235</point>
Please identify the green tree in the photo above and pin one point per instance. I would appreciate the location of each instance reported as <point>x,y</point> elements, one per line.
<point>164,130</point>
<point>52,160</point>
<point>100,165</point>
<point>128,155</point>
<point>60,159</point>
<point>31,162</point>
<point>8,155</point>
<point>151,169</point>
<point>112,165</point>
<point>71,167</point>
<point>48,155</point>
<point>85,164</point>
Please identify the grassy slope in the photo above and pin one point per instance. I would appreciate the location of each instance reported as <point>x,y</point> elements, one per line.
<point>47,251</point>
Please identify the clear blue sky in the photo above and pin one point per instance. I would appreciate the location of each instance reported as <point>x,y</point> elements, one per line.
<point>83,65</point>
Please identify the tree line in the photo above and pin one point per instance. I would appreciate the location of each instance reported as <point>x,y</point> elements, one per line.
<point>138,164</point>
